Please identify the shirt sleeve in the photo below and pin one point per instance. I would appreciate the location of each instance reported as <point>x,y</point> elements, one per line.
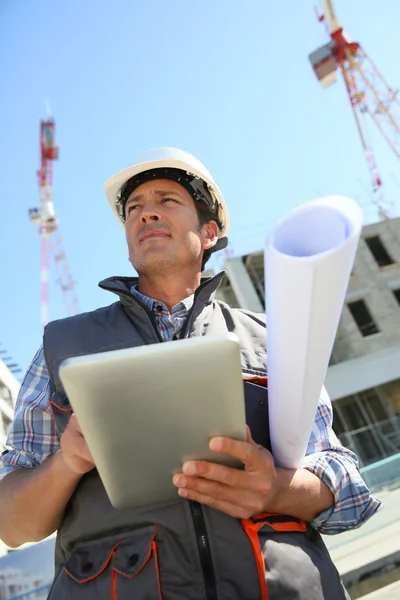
<point>32,436</point>
<point>338,468</point>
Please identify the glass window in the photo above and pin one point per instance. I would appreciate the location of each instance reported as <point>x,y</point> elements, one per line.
<point>374,406</point>
<point>379,251</point>
<point>368,449</point>
<point>338,424</point>
<point>351,413</point>
<point>363,318</point>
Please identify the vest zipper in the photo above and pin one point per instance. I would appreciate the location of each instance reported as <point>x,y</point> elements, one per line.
<point>153,320</point>
<point>203,545</point>
<point>199,523</point>
<point>155,324</point>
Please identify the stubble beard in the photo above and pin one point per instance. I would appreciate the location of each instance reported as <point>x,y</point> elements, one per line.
<point>164,264</point>
<point>157,265</point>
<point>167,263</point>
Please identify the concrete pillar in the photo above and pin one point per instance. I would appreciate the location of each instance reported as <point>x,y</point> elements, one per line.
<point>242,285</point>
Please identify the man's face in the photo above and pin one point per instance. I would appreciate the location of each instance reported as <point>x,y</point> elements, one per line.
<point>163,229</point>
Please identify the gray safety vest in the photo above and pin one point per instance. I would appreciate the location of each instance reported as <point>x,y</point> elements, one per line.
<point>180,550</point>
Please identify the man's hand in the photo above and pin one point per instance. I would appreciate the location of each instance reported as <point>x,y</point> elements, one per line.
<point>74,450</point>
<point>240,494</point>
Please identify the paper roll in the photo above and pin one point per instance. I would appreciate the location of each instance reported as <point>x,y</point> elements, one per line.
<point>308,261</point>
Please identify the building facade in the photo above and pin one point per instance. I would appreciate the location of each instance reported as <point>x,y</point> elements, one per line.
<point>9,388</point>
<point>363,377</point>
<point>15,583</point>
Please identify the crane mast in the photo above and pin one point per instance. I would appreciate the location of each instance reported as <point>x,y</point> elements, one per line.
<point>370,96</point>
<point>45,218</point>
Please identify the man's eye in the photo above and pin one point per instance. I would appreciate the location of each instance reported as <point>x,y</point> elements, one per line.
<point>167,199</point>
<point>131,207</point>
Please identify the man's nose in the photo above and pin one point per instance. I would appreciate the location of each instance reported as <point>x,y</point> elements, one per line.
<point>150,213</point>
<point>150,217</point>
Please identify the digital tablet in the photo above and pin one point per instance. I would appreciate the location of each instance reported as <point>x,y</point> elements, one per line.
<point>144,411</point>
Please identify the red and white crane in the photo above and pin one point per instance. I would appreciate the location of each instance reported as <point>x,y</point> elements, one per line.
<point>45,217</point>
<point>369,94</point>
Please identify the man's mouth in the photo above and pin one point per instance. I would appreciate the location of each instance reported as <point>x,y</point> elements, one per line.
<point>153,233</point>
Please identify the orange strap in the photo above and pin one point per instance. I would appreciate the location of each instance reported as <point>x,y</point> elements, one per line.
<point>251,530</point>
<point>277,523</point>
<point>114,585</point>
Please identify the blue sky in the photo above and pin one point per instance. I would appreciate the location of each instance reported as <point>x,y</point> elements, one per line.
<point>226,80</point>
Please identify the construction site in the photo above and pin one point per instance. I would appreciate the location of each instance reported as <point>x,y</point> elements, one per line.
<point>363,378</point>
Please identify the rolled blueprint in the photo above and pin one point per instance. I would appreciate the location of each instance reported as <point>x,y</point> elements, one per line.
<point>308,261</point>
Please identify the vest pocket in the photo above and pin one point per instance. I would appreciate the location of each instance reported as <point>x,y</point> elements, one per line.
<point>114,568</point>
<point>135,568</point>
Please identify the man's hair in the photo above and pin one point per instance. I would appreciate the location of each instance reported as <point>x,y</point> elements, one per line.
<point>205,215</point>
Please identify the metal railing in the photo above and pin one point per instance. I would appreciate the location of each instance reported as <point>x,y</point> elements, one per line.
<point>382,474</point>
<point>33,594</point>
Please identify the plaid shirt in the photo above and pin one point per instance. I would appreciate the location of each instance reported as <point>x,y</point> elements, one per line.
<point>33,437</point>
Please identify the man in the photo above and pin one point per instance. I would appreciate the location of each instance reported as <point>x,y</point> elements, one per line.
<point>230,534</point>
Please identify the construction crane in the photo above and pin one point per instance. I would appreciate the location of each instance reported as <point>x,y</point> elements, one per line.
<point>45,217</point>
<point>369,94</point>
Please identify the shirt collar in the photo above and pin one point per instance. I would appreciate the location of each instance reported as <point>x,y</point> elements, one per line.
<point>151,303</point>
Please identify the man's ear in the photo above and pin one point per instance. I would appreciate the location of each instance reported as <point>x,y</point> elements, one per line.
<point>210,235</point>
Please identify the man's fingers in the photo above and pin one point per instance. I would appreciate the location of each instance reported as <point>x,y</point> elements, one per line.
<point>83,451</point>
<point>80,442</point>
<point>249,454</point>
<point>74,424</point>
<point>242,497</point>
<point>236,480</point>
<point>239,493</point>
<point>248,436</point>
<point>73,443</point>
<point>230,508</point>
<point>216,472</point>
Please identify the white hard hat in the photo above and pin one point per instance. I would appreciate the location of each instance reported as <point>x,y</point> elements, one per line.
<point>194,173</point>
